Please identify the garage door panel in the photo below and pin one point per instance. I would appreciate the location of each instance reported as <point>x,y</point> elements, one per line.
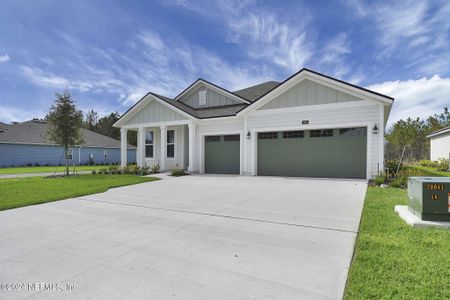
<point>222,155</point>
<point>339,155</point>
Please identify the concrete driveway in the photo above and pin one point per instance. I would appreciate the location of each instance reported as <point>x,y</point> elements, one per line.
<point>192,237</point>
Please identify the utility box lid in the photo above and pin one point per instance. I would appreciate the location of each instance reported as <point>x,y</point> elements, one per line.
<point>429,197</point>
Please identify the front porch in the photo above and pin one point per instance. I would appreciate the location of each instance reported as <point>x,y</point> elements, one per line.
<point>169,144</point>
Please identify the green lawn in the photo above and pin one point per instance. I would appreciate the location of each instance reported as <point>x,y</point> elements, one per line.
<point>430,171</point>
<point>393,260</point>
<point>46,169</point>
<point>20,192</point>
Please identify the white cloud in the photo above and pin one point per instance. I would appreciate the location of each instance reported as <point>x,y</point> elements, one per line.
<point>416,98</point>
<point>4,58</point>
<point>39,77</point>
<point>10,114</point>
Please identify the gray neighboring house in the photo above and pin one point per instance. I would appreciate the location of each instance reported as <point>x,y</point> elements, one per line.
<point>27,143</point>
<point>440,144</point>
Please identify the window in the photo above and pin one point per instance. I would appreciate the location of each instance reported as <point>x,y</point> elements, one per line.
<point>267,135</point>
<point>321,133</point>
<point>202,98</point>
<point>171,143</point>
<point>149,144</point>
<point>231,138</point>
<point>359,131</point>
<point>293,134</point>
<point>212,138</point>
<point>105,153</point>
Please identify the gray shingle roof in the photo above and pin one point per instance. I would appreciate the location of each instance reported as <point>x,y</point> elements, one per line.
<point>254,92</point>
<point>204,113</point>
<point>4,126</point>
<point>35,132</point>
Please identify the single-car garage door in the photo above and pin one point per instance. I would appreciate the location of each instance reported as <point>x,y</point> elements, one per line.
<point>222,154</point>
<point>334,153</point>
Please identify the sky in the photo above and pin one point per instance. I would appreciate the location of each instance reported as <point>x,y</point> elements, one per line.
<point>109,54</point>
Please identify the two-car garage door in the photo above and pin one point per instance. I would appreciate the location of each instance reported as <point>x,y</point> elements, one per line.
<point>339,153</point>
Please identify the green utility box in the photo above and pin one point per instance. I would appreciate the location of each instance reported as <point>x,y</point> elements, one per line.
<point>429,198</point>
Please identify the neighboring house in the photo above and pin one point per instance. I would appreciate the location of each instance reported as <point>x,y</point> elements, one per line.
<point>27,143</point>
<point>440,144</point>
<point>309,125</point>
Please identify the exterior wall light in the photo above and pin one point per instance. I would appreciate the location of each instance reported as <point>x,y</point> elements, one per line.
<point>375,129</point>
<point>249,135</point>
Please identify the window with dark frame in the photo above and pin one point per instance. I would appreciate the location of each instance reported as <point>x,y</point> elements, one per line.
<point>231,138</point>
<point>212,138</point>
<point>321,133</point>
<point>293,134</point>
<point>356,131</point>
<point>149,144</point>
<point>171,143</point>
<point>267,135</point>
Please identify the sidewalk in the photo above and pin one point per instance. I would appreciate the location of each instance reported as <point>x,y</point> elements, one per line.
<point>6,176</point>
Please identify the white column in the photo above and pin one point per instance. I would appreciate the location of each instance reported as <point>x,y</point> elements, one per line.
<point>191,127</point>
<point>123,147</point>
<point>141,146</point>
<point>163,147</point>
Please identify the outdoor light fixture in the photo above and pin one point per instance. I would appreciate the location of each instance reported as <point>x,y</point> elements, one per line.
<point>375,129</point>
<point>248,135</point>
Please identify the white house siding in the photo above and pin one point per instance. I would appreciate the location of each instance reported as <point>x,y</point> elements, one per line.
<point>154,112</point>
<point>217,127</point>
<point>171,163</point>
<point>440,146</point>
<point>366,113</point>
<point>308,92</point>
<point>213,98</point>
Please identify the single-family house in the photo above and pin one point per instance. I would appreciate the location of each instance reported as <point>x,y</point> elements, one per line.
<point>440,144</point>
<point>27,143</point>
<point>309,125</point>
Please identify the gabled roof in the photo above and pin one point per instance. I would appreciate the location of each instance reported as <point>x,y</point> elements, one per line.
<point>248,96</point>
<point>212,86</point>
<point>254,92</point>
<point>35,132</point>
<point>439,132</point>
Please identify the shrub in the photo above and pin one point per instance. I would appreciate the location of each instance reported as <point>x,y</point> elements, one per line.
<point>428,163</point>
<point>399,182</point>
<point>155,168</point>
<point>103,171</point>
<point>29,164</point>
<point>442,164</point>
<point>36,164</point>
<point>379,180</point>
<point>94,172</point>
<point>178,172</point>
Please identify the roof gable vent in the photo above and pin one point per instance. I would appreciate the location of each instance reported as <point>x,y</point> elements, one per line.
<point>202,98</point>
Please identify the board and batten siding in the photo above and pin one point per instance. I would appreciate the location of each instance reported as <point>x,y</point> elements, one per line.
<point>318,118</point>
<point>155,112</point>
<point>23,154</point>
<point>213,98</point>
<point>440,146</point>
<point>308,92</point>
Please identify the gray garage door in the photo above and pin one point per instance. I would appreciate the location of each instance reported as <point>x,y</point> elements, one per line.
<point>335,153</point>
<point>222,154</point>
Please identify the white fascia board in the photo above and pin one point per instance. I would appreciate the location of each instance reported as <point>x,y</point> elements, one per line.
<point>214,88</point>
<point>146,100</point>
<point>305,74</point>
<point>438,133</point>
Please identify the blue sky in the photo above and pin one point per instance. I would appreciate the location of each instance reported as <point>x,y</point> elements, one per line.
<point>110,53</point>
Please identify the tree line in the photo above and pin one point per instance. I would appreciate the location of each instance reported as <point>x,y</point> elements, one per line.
<point>104,125</point>
<point>412,133</point>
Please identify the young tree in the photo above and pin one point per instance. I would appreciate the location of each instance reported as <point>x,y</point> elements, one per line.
<point>65,122</point>
<point>91,120</point>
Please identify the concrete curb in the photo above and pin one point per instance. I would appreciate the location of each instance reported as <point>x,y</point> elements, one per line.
<point>414,221</point>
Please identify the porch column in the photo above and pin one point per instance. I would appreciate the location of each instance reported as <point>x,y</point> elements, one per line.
<point>141,146</point>
<point>123,147</point>
<point>163,147</point>
<point>191,127</point>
